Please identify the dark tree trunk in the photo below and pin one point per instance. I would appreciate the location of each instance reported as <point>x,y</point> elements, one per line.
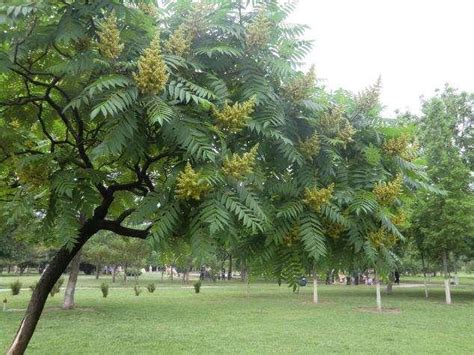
<point>97,271</point>
<point>229,273</point>
<point>114,272</point>
<point>71,282</point>
<point>38,299</point>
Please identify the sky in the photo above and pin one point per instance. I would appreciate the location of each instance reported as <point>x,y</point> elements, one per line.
<point>415,45</point>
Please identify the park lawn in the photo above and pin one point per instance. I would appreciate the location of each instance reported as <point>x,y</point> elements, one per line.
<point>228,317</point>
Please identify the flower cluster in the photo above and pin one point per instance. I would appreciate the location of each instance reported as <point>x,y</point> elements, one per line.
<point>396,146</point>
<point>334,230</point>
<point>190,185</point>
<point>238,166</point>
<point>315,198</point>
<point>109,38</point>
<point>301,87</point>
<point>400,146</point>
<point>311,146</point>
<point>148,9</point>
<point>334,124</point>
<point>369,97</point>
<point>259,31</point>
<point>346,132</point>
<point>388,192</point>
<point>179,42</point>
<point>400,218</point>
<point>152,75</point>
<point>380,238</point>
<point>233,118</point>
<point>292,236</point>
<point>197,20</point>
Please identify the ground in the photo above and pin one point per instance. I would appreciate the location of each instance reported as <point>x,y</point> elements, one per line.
<point>229,317</point>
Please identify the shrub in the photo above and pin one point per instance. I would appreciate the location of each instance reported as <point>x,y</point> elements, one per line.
<point>57,287</point>
<point>137,290</point>
<point>104,287</point>
<point>15,287</point>
<point>33,286</point>
<point>151,288</point>
<point>197,286</point>
<point>134,272</point>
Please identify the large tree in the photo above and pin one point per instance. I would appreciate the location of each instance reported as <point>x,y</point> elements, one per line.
<point>187,121</point>
<point>443,222</point>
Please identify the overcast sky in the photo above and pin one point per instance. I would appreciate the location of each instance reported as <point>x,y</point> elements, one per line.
<point>415,45</point>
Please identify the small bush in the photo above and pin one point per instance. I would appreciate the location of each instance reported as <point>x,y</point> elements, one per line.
<point>15,287</point>
<point>104,287</point>
<point>137,290</point>
<point>57,287</point>
<point>134,272</point>
<point>33,286</point>
<point>197,286</point>
<point>151,288</point>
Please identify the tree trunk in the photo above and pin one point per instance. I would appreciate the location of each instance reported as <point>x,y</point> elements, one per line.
<point>229,273</point>
<point>71,282</point>
<point>426,286</point>
<point>447,290</point>
<point>377,290</point>
<point>114,272</point>
<point>38,299</point>
<point>389,289</point>
<point>315,287</point>
<point>125,273</point>
<point>97,271</point>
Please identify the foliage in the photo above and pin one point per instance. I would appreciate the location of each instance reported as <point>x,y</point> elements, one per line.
<point>137,290</point>
<point>197,286</point>
<point>104,287</point>
<point>151,287</point>
<point>57,287</point>
<point>15,287</point>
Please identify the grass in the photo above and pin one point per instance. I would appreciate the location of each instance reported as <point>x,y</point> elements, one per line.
<point>224,318</point>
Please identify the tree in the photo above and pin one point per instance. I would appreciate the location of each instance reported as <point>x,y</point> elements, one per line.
<point>444,220</point>
<point>186,120</point>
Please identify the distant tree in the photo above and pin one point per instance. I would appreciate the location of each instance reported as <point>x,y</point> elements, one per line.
<point>444,222</point>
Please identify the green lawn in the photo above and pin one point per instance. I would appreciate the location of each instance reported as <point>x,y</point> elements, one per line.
<point>223,318</point>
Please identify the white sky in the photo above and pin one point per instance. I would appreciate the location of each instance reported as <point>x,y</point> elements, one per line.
<point>415,45</point>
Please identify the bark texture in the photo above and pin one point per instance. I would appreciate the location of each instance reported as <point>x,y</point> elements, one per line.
<point>71,282</point>
<point>38,299</point>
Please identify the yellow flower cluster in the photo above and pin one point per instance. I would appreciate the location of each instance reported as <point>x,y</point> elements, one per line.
<point>259,31</point>
<point>148,9</point>
<point>315,197</point>
<point>369,97</point>
<point>334,230</point>
<point>109,38</point>
<point>240,165</point>
<point>152,75</point>
<point>346,132</point>
<point>179,42</point>
<point>197,19</point>
<point>400,218</point>
<point>381,238</point>
<point>234,118</point>
<point>300,88</point>
<point>292,236</point>
<point>334,124</point>
<point>386,193</point>
<point>310,147</point>
<point>189,184</point>
<point>396,146</point>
